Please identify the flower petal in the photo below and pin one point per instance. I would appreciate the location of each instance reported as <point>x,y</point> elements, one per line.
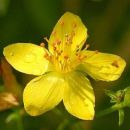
<point>79,97</point>
<point>103,66</point>
<point>43,93</point>
<point>70,29</point>
<point>27,58</point>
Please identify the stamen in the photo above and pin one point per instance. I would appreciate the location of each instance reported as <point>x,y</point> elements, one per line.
<point>96,51</point>
<point>93,54</point>
<point>42,44</point>
<point>81,57</point>
<point>46,39</point>
<point>54,46</point>
<point>73,33</point>
<point>77,48</point>
<point>58,42</point>
<point>115,63</point>
<point>87,46</point>
<point>59,52</point>
<point>66,35</point>
<point>46,55</point>
<point>68,38</point>
<point>62,23</point>
<point>66,57</point>
<point>54,33</point>
<point>74,25</point>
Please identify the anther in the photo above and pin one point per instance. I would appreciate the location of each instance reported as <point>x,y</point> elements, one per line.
<point>42,44</point>
<point>87,46</point>
<point>77,53</point>
<point>74,25</point>
<point>77,47</point>
<point>58,42</point>
<point>66,57</point>
<point>96,51</point>
<point>61,23</point>
<point>73,34</point>
<point>54,33</point>
<point>66,35</point>
<point>115,63</point>
<point>46,55</point>
<point>81,57</point>
<point>59,53</point>
<point>54,47</point>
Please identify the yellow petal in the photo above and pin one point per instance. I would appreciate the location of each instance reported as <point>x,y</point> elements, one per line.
<point>27,58</point>
<point>69,27</point>
<point>79,97</point>
<point>103,66</point>
<point>43,93</point>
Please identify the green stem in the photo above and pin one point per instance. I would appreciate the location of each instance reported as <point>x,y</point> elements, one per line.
<point>19,121</point>
<point>110,110</point>
<point>121,116</point>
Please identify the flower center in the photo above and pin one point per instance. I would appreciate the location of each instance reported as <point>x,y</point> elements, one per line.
<point>63,58</point>
<point>63,55</point>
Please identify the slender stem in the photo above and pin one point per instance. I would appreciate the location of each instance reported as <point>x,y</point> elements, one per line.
<point>121,116</point>
<point>111,109</point>
<point>107,111</point>
<point>19,121</point>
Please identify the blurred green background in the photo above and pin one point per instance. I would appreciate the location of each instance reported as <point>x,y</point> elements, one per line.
<point>108,23</point>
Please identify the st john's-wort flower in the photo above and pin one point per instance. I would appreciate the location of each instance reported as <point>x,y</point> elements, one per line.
<point>62,69</point>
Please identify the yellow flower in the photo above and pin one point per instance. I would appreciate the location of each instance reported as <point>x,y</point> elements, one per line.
<point>62,69</point>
